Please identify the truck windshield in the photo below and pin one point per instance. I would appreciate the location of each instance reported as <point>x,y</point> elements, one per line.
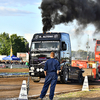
<point>98,48</point>
<point>45,45</point>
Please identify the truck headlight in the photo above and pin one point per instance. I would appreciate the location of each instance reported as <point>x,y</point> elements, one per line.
<point>32,73</point>
<point>41,70</point>
<point>37,69</point>
<point>32,68</point>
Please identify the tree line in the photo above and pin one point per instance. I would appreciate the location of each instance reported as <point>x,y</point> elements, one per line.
<point>81,54</point>
<point>18,44</point>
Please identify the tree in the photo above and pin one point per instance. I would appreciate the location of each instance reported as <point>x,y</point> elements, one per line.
<point>81,54</point>
<point>4,43</point>
<point>18,44</point>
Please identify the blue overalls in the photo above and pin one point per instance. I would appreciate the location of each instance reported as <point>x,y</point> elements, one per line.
<point>51,67</point>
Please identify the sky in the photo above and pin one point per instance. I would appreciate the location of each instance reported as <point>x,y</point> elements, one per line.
<point>23,17</point>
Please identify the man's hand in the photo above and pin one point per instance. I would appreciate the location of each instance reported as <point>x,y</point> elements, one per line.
<point>57,72</point>
<point>45,73</point>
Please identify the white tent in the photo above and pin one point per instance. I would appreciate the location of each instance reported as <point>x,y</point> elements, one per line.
<point>2,56</point>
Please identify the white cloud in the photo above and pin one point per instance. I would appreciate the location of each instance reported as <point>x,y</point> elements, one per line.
<point>28,37</point>
<point>13,12</point>
<point>37,3</point>
<point>18,2</point>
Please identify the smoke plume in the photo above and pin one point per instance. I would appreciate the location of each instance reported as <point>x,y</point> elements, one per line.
<point>64,11</point>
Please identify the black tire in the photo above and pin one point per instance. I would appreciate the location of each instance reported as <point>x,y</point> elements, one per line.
<point>35,80</point>
<point>80,78</point>
<point>65,76</point>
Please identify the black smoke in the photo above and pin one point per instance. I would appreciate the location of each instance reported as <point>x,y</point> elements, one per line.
<point>64,11</point>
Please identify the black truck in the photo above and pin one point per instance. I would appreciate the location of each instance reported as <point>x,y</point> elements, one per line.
<point>41,46</point>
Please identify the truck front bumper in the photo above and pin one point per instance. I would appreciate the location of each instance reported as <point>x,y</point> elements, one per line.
<point>36,74</point>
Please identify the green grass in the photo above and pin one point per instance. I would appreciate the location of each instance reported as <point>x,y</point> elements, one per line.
<point>79,94</point>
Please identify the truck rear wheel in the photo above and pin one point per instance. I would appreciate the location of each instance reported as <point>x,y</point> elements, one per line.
<point>36,79</point>
<point>65,76</point>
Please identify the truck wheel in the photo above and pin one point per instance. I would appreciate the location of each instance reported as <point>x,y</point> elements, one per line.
<point>80,78</point>
<point>64,78</point>
<point>36,79</point>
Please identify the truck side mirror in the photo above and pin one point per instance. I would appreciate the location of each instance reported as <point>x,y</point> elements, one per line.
<point>27,47</point>
<point>63,46</point>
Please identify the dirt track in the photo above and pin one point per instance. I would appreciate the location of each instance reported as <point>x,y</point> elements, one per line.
<point>14,70</point>
<point>10,87</point>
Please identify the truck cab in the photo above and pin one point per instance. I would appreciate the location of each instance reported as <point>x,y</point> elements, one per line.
<point>41,47</point>
<point>97,55</point>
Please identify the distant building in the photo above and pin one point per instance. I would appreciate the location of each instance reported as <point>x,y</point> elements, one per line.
<point>2,56</point>
<point>23,56</point>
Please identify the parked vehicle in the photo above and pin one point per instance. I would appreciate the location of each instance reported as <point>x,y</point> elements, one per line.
<point>97,55</point>
<point>90,68</point>
<point>2,66</point>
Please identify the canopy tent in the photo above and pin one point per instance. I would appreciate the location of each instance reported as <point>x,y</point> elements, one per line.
<point>11,58</point>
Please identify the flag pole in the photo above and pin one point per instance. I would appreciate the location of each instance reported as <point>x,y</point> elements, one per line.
<point>11,52</point>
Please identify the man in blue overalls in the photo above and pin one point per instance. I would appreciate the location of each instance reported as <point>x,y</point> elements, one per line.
<point>51,70</point>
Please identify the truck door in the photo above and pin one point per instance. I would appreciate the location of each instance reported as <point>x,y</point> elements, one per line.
<point>65,54</point>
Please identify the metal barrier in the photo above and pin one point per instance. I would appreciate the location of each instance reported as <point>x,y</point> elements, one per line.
<point>28,84</point>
